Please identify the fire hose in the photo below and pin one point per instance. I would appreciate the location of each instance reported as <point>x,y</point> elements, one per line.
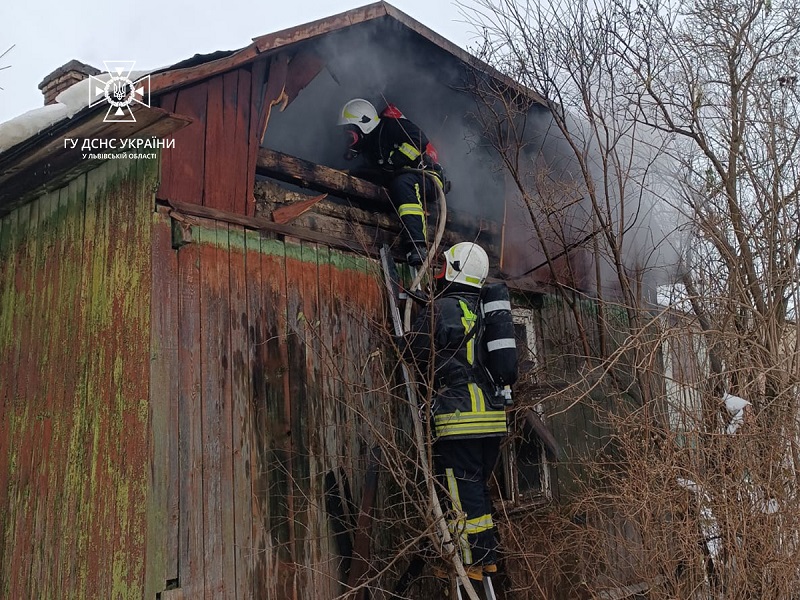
<point>444,536</point>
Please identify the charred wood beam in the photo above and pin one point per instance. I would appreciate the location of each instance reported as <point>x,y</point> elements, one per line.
<point>271,196</point>
<point>365,195</point>
<point>360,192</point>
<point>320,178</point>
<point>266,225</point>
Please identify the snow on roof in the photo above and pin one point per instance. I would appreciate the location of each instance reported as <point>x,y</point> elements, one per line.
<point>68,103</point>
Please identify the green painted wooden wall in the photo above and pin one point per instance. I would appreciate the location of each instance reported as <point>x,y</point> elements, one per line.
<point>168,415</point>
<point>74,361</point>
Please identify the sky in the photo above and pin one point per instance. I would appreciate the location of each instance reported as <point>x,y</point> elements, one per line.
<point>45,34</point>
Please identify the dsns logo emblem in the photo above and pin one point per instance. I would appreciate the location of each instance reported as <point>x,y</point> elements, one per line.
<point>120,91</point>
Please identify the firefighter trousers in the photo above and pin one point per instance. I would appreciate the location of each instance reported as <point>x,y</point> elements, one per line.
<point>463,467</point>
<point>410,192</point>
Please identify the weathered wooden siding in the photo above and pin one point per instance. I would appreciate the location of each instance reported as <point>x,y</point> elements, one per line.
<point>268,343</point>
<point>74,339</point>
<point>209,164</point>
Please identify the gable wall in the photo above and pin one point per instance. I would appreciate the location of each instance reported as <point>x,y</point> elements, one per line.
<point>209,164</point>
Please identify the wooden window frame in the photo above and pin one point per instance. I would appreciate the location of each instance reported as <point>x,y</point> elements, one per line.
<point>511,495</point>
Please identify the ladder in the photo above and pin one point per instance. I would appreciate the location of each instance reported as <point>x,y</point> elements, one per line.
<point>395,293</point>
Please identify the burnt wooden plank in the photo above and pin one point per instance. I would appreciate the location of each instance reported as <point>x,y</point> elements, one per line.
<point>241,414</point>
<point>291,169</point>
<point>191,559</point>
<point>64,334</point>
<point>163,502</point>
<point>167,102</point>
<point>183,176</point>
<point>344,441</point>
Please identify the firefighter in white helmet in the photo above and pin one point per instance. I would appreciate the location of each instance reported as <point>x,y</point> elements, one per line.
<point>407,164</point>
<point>469,420</point>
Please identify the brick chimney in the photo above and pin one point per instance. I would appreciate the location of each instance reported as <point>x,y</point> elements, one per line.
<point>63,77</point>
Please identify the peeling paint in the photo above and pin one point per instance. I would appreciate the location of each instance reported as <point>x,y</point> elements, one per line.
<point>72,389</point>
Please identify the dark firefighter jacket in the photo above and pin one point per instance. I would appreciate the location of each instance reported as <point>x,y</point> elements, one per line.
<point>397,144</point>
<point>462,396</point>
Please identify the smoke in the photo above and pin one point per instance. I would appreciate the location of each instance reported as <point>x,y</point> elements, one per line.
<point>382,61</point>
<point>628,200</point>
<point>604,205</point>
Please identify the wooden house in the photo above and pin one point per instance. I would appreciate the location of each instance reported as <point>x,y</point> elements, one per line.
<point>186,352</point>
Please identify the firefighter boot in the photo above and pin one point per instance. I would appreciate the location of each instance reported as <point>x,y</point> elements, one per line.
<point>416,255</point>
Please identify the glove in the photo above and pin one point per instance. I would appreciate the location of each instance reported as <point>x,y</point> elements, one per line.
<point>446,186</point>
<point>439,170</point>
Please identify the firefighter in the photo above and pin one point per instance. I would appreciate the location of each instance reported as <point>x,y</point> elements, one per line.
<point>469,420</point>
<point>405,162</point>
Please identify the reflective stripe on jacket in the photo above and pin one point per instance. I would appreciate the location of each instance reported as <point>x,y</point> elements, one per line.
<point>460,406</point>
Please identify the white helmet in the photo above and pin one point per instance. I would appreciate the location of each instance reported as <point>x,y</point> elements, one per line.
<point>467,263</point>
<point>360,113</point>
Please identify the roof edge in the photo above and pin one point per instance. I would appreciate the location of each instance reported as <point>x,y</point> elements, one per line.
<point>324,25</point>
<point>169,79</point>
